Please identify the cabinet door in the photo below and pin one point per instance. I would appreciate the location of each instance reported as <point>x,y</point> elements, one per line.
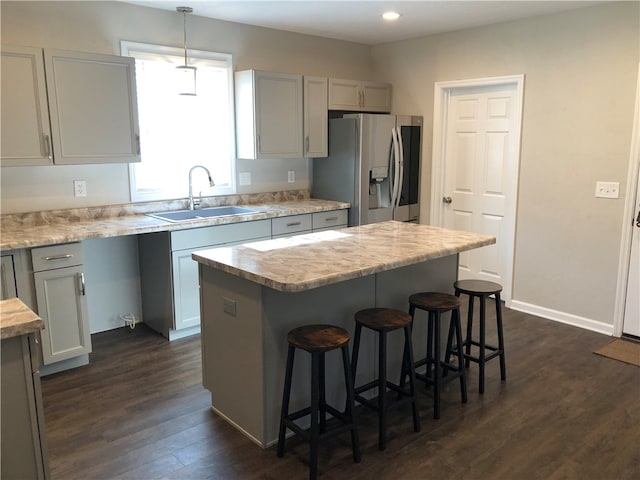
<point>92,99</point>
<point>344,94</point>
<point>278,98</point>
<point>24,114</point>
<point>23,441</point>
<point>316,121</point>
<point>7,278</point>
<point>62,306</point>
<point>376,97</point>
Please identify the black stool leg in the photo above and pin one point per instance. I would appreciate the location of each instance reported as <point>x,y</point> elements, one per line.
<point>350,408</point>
<point>482,354</point>
<point>437,380</point>
<point>322,404</point>
<point>355,352</point>
<point>314,438</point>
<point>382,390</point>
<point>455,321</point>
<point>408,347</point>
<point>285,399</point>
<point>503,367</point>
<point>469,331</point>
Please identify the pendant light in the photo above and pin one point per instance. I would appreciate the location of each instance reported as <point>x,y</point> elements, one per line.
<point>186,73</point>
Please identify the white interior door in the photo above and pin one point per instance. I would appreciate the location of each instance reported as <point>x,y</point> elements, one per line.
<point>475,183</point>
<point>631,324</point>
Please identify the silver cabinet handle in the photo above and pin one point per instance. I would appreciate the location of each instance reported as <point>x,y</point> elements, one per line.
<point>306,144</point>
<point>138,144</point>
<point>47,146</point>
<point>59,257</point>
<point>331,219</point>
<point>293,224</point>
<point>83,291</point>
<point>447,199</point>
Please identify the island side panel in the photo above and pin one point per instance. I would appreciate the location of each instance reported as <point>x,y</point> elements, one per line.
<point>393,288</point>
<point>333,304</point>
<point>232,355</point>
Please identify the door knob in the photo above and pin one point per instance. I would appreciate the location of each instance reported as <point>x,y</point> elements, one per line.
<point>447,199</point>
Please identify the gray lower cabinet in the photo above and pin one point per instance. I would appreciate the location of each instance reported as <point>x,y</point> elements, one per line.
<point>61,301</point>
<point>7,278</point>
<point>23,441</point>
<point>169,276</point>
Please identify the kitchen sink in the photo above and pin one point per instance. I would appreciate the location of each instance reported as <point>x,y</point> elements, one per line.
<point>212,212</point>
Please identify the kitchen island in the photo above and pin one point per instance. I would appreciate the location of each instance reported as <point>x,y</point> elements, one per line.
<point>251,295</point>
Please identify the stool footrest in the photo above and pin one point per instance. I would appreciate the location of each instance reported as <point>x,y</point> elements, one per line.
<point>406,396</point>
<point>347,423</point>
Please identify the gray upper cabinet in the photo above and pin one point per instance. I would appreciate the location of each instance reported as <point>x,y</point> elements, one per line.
<point>24,113</point>
<point>359,96</point>
<point>61,107</point>
<point>268,115</point>
<point>316,123</point>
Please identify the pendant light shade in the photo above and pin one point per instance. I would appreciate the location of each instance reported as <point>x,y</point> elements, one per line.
<point>186,74</point>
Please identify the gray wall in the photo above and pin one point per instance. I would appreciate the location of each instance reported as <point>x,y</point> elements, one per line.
<point>100,26</point>
<point>580,72</point>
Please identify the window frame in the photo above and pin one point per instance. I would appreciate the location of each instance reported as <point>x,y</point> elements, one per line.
<point>195,57</point>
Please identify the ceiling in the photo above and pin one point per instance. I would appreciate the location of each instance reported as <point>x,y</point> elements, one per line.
<point>360,21</point>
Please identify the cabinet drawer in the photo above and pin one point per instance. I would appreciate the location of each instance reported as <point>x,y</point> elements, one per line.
<point>292,224</point>
<point>56,256</point>
<point>332,219</point>
<point>219,234</point>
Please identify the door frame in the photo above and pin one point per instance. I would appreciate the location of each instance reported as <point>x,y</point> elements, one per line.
<point>442,94</point>
<point>629,213</point>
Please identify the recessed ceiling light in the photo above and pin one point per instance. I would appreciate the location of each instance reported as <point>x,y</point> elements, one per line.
<point>391,15</point>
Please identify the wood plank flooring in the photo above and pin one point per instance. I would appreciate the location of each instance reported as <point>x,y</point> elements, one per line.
<point>138,411</point>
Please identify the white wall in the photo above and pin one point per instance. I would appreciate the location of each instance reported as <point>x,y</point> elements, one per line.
<point>99,26</point>
<point>580,74</point>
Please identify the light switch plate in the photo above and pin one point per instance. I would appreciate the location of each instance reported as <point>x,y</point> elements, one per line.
<point>291,176</point>
<point>607,189</point>
<point>80,188</point>
<point>244,178</point>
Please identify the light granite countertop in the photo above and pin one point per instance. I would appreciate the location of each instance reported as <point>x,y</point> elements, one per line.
<point>24,230</point>
<point>303,262</point>
<point>17,319</point>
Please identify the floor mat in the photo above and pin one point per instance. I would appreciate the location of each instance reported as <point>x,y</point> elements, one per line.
<point>623,350</point>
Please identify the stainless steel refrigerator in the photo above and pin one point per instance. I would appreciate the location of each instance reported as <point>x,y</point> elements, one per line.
<point>374,164</point>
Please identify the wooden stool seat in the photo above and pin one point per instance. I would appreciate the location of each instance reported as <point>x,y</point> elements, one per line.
<point>318,340</point>
<point>477,287</point>
<point>482,289</point>
<point>434,301</point>
<point>435,304</point>
<point>383,321</point>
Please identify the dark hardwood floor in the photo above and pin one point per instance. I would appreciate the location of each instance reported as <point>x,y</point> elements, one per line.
<point>138,411</point>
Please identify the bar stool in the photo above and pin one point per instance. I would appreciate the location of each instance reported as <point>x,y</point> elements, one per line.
<point>482,289</point>
<point>383,321</point>
<point>317,340</point>
<point>435,304</point>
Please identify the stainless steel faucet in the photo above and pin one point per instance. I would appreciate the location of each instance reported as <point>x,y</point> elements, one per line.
<point>211,184</point>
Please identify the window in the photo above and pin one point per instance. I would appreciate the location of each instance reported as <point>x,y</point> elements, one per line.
<point>178,132</point>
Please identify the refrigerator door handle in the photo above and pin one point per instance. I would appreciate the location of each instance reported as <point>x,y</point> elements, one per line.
<point>396,170</point>
<point>401,169</point>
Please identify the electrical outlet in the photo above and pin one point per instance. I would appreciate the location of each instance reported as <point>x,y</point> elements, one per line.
<point>244,178</point>
<point>291,176</point>
<point>229,306</point>
<point>80,188</point>
<point>607,189</point>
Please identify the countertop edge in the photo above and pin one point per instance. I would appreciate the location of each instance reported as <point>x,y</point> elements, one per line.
<point>289,287</point>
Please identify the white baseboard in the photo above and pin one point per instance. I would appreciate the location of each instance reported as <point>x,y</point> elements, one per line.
<point>562,317</point>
